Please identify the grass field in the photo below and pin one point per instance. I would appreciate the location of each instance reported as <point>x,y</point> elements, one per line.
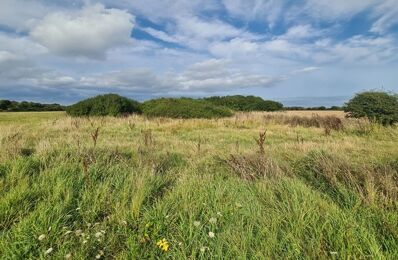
<point>137,188</point>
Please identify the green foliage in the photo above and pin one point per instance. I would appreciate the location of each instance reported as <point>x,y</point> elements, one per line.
<point>24,106</point>
<point>104,105</point>
<point>376,106</point>
<point>245,103</point>
<point>183,108</point>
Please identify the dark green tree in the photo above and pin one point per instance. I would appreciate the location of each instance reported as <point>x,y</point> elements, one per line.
<point>183,108</point>
<point>379,107</point>
<point>104,105</point>
<point>245,103</point>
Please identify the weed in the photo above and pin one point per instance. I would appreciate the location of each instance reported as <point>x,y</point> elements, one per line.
<point>261,141</point>
<point>94,136</point>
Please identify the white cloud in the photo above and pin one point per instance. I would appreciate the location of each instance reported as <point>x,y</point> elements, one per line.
<point>209,76</point>
<point>19,14</point>
<point>89,32</point>
<point>233,48</point>
<point>387,13</point>
<point>336,9</point>
<point>305,70</point>
<point>299,32</point>
<point>267,10</point>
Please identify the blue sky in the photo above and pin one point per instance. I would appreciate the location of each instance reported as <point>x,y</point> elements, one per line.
<point>304,52</point>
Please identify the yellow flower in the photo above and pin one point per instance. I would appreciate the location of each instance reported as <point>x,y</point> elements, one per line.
<point>163,244</point>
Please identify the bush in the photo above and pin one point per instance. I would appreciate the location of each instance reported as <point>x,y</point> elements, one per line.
<point>183,108</point>
<point>104,105</point>
<point>245,103</point>
<point>376,106</point>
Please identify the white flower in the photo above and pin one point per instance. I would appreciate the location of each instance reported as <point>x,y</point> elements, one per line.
<point>41,237</point>
<point>68,256</point>
<point>211,234</point>
<point>48,251</point>
<point>213,220</point>
<point>203,249</point>
<point>98,234</point>
<point>78,232</point>
<point>100,253</point>
<point>196,223</point>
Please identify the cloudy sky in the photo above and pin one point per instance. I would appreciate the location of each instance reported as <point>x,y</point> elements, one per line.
<point>297,51</point>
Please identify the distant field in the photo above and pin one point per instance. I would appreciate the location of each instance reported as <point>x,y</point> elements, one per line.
<point>339,114</point>
<point>138,188</point>
<point>28,117</point>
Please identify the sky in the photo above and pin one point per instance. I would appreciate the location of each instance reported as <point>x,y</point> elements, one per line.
<point>299,52</point>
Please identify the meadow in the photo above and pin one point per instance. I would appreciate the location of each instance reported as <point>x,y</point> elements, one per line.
<point>255,185</point>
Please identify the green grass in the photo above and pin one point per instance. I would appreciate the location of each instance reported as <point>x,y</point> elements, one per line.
<point>329,196</point>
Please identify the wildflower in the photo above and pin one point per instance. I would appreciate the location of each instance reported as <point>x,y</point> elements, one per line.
<point>48,251</point>
<point>163,244</point>
<point>98,234</point>
<point>203,249</point>
<point>68,256</point>
<point>41,237</point>
<point>211,234</point>
<point>196,223</point>
<point>213,220</point>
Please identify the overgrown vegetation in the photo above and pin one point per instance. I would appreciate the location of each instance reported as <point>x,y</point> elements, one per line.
<point>183,108</point>
<point>245,103</point>
<point>104,105</point>
<point>14,106</point>
<point>159,188</point>
<point>376,106</point>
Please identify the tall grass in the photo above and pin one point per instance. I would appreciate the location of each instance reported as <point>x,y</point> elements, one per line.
<point>202,185</point>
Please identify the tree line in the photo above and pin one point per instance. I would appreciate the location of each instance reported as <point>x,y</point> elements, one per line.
<point>14,106</point>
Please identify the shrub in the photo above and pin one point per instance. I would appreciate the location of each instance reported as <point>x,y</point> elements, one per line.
<point>245,103</point>
<point>183,108</point>
<point>104,105</point>
<point>376,106</point>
